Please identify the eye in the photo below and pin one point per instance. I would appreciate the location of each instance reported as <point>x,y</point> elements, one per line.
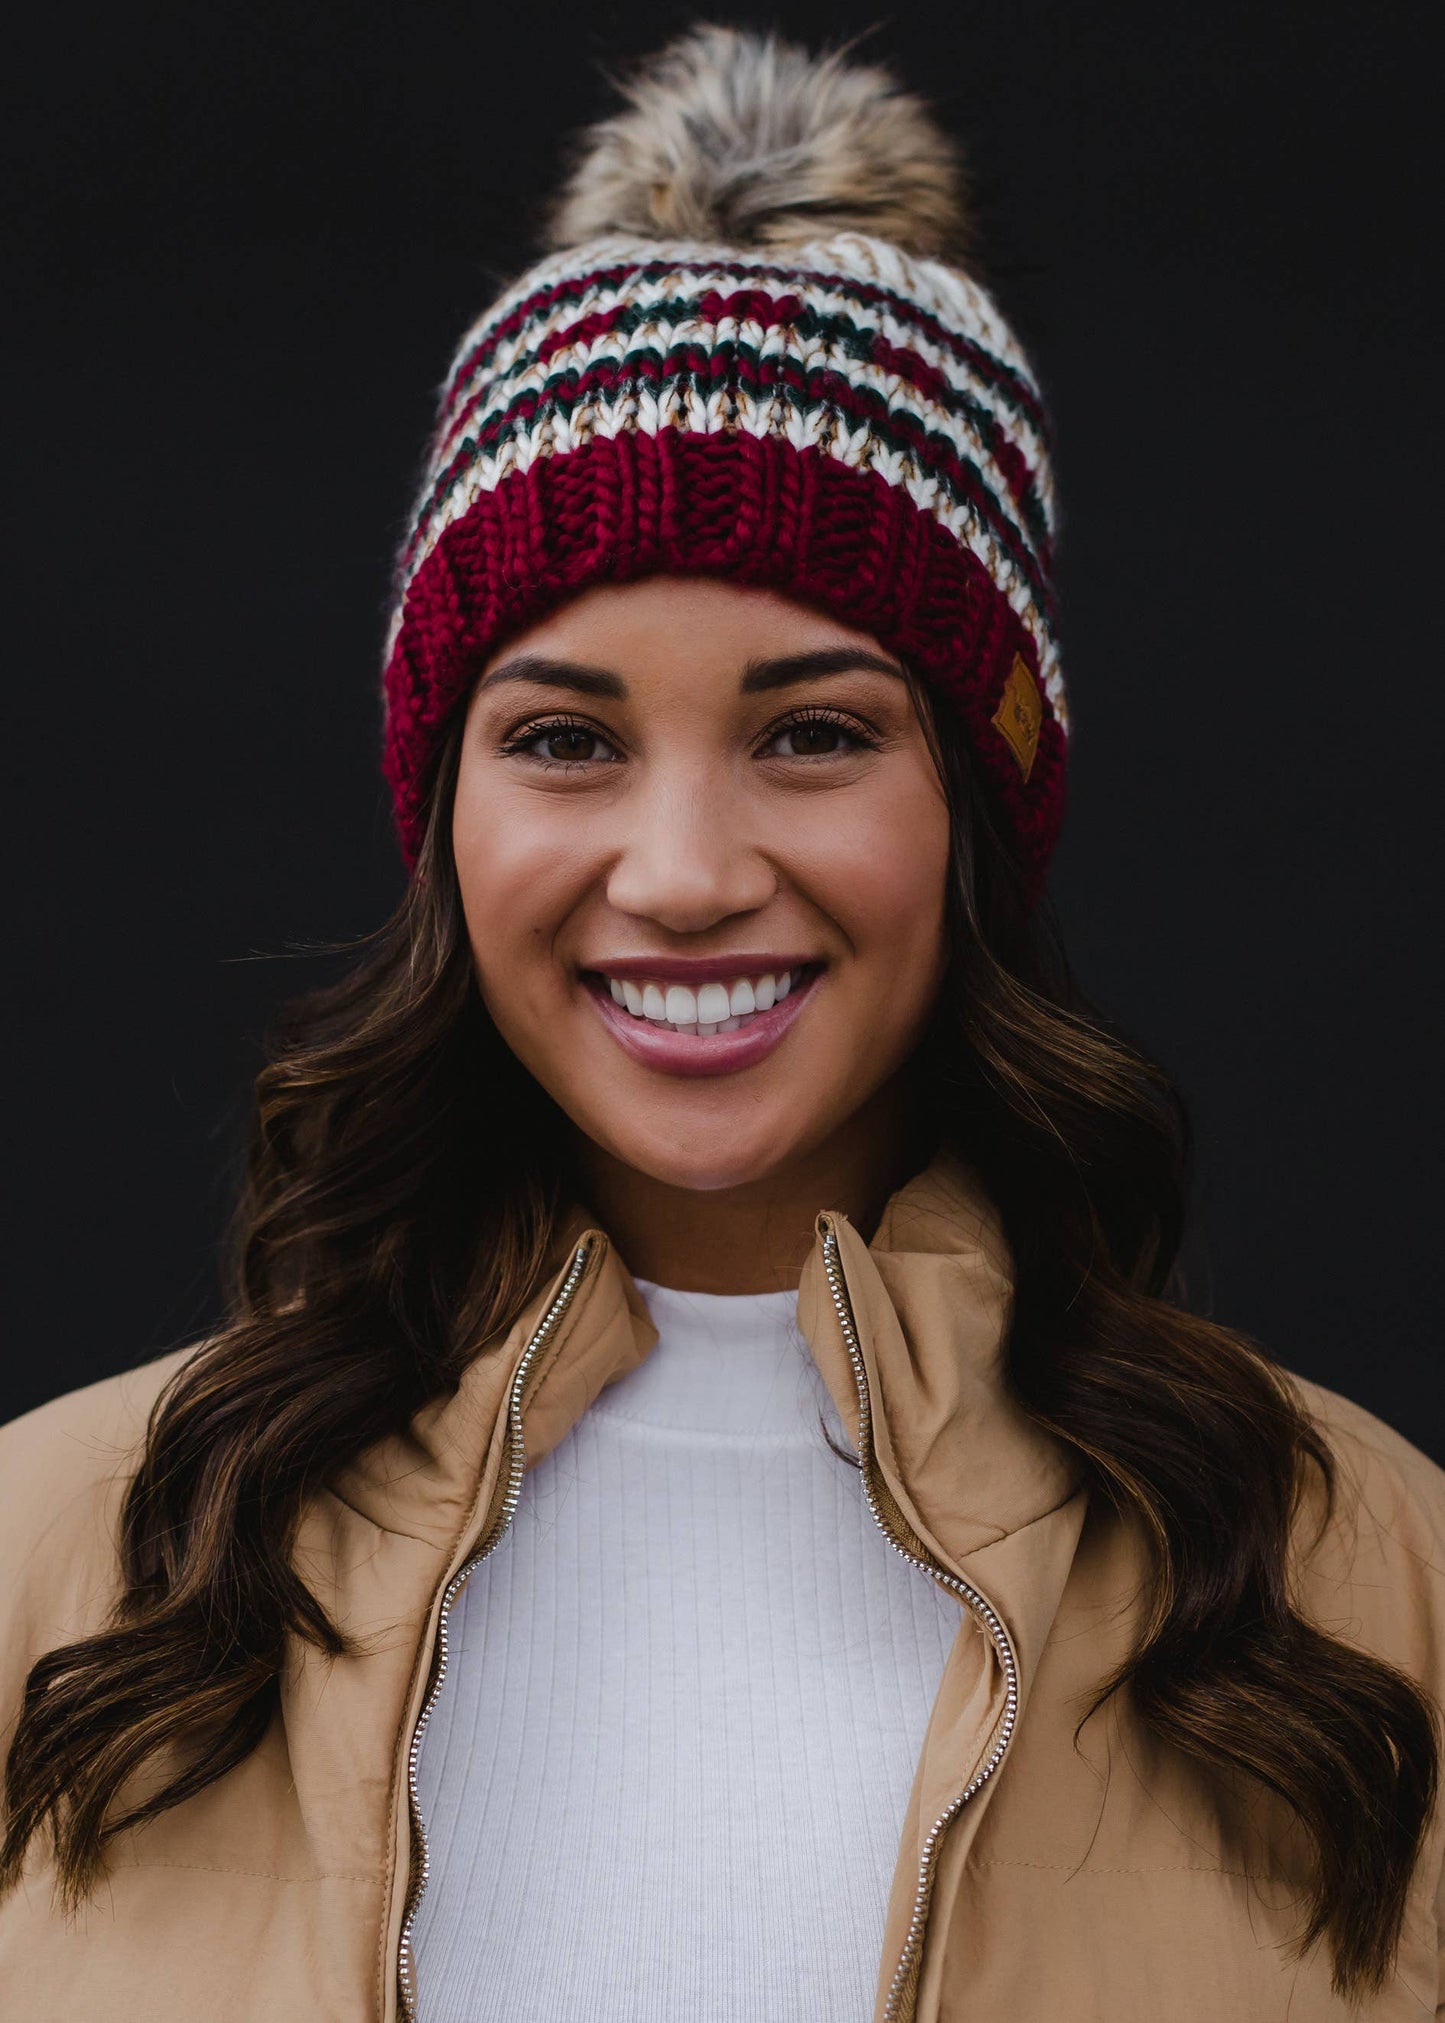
<point>817,734</point>
<point>560,741</point>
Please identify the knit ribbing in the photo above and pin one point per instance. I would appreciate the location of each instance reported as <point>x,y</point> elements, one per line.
<point>667,1774</point>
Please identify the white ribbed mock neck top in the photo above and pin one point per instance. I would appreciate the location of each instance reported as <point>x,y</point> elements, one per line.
<point>666,1773</point>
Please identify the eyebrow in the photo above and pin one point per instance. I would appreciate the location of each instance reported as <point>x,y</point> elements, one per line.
<point>791,667</point>
<point>779,672</point>
<point>545,673</point>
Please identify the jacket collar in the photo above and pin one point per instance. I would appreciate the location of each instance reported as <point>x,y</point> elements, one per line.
<point>931,1296</point>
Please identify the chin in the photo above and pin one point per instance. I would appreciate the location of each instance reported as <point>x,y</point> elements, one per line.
<point>700,1161</point>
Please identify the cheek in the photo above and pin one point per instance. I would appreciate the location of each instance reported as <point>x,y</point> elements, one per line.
<point>882,873</point>
<point>519,874</point>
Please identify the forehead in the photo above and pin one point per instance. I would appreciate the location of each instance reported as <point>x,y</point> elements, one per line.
<point>665,625</point>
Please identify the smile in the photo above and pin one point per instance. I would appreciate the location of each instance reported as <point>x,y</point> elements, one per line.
<point>711,1025</point>
<point>713,1008</point>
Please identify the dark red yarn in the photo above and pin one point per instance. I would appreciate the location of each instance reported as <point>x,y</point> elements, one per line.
<point>753,510</point>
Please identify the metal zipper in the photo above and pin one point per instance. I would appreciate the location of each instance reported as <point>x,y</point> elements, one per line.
<point>982,1608</point>
<point>517,1466</point>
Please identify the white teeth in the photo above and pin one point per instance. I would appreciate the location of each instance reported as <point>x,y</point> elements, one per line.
<point>713,1008</point>
<point>681,1005</point>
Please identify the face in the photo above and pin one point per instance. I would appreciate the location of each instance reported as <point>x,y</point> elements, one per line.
<point>703,850</point>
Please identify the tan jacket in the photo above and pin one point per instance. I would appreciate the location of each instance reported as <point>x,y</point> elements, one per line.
<point>1036,1880</point>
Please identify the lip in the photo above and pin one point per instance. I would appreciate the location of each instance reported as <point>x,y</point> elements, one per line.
<point>694,968</point>
<point>691,1054</point>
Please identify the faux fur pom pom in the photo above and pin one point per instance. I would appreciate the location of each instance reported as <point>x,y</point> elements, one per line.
<point>743,139</point>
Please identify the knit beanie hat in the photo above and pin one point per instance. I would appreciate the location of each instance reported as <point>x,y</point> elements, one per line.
<point>751,351</point>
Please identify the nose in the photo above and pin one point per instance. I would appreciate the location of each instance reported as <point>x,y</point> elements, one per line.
<point>688,860</point>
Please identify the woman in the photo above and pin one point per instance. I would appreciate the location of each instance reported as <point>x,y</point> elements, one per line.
<point>703,1504</point>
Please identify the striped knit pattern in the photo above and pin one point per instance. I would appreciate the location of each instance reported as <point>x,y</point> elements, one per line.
<point>857,426</point>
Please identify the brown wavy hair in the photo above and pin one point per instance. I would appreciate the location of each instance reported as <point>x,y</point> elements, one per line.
<point>373,1249</point>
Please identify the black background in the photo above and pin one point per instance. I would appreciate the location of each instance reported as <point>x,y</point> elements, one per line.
<point>241,241</point>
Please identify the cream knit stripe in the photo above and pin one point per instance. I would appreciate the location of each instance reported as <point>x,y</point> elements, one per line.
<point>672,348</point>
<point>642,410</point>
<point>549,380</point>
<point>500,362</point>
<point>837,267</point>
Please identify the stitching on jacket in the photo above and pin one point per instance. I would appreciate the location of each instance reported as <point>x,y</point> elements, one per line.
<point>270,1875</point>
<point>1154,1868</point>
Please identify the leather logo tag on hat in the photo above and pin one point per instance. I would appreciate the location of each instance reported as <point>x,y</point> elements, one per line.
<point>1020,714</point>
